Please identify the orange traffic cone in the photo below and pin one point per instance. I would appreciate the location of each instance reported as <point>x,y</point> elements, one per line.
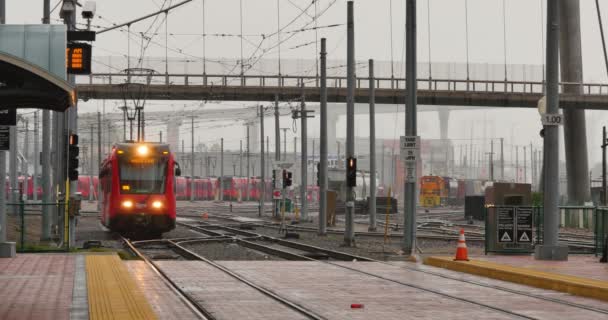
<point>461,249</point>
<point>205,216</point>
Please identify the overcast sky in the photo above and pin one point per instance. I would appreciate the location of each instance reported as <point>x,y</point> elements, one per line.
<point>524,29</point>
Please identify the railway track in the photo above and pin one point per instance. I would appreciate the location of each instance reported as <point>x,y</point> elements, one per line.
<point>297,251</point>
<point>177,245</point>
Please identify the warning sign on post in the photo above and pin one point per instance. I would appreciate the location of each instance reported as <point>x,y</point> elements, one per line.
<point>524,225</point>
<point>506,226</point>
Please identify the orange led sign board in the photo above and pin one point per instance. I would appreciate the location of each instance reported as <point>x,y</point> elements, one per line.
<point>78,58</point>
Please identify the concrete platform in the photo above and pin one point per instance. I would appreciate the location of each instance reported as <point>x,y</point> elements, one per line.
<point>580,275</point>
<point>77,286</point>
<point>387,291</point>
<point>37,286</point>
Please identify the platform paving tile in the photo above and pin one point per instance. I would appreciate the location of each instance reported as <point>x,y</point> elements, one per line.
<point>566,297</point>
<point>36,286</point>
<point>330,291</point>
<point>222,295</point>
<point>165,303</point>
<point>524,305</point>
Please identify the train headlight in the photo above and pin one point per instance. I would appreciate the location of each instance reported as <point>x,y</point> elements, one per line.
<point>142,150</point>
<point>127,204</point>
<point>157,204</point>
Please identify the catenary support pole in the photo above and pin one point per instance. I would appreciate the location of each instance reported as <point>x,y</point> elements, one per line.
<point>502,160</point>
<point>285,143</point>
<point>192,161</point>
<point>304,160</point>
<point>604,179</point>
<point>525,166</point>
<point>372,148</point>
<point>575,137</point>
<point>99,157</point>
<point>262,160</point>
<point>35,158</point>
<point>349,228</point>
<point>550,249</point>
<point>323,149</point>
<point>240,158</point>
<point>91,164</point>
<point>3,219</point>
<point>409,230</point>
<point>221,169</point>
<point>247,155</point>
<point>277,130</point>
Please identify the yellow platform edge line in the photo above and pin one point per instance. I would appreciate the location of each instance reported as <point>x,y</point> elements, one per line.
<point>112,291</point>
<point>545,280</point>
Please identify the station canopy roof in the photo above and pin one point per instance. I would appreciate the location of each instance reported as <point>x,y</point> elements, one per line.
<point>33,67</point>
<point>24,85</point>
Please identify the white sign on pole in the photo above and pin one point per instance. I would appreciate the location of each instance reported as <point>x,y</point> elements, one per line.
<point>554,119</point>
<point>410,172</point>
<point>409,148</point>
<point>409,142</point>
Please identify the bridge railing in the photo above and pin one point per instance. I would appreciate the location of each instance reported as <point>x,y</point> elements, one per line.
<point>287,81</point>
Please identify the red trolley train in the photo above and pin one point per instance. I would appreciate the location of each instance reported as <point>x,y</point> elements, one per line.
<point>137,188</point>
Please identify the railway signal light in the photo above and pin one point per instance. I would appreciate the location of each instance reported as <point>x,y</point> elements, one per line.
<point>351,172</point>
<point>73,152</point>
<point>288,181</point>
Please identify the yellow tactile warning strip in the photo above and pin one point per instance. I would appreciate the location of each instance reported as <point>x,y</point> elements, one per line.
<point>559,282</point>
<point>113,294</point>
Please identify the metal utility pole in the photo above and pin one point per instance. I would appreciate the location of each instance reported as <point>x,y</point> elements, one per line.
<point>409,230</point>
<point>3,175</point>
<point>263,174</point>
<point>502,160</point>
<point>516,163</point>
<point>98,158</point>
<point>304,159</point>
<point>349,228</point>
<point>36,159</point>
<point>372,148</point>
<point>284,143</point>
<point>382,166</point>
<point>247,156</point>
<point>68,13</point>
<point>277,130</point>
<point>14,192</point>
<point>491,160</point>
<point>575,138</point>
<point>46,150</point>
<point>241,158</point>
<point>192,162</point>
<point>25,158</point>
<point>323,148</point>
<point>525,167</point>
<point>604,145</point>
<point>91,188</point>
<point>221,169</point>
<point>550,249</point>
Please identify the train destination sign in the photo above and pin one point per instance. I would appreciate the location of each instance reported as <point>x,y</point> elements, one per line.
<point>78,58</point>
<point>506,226</point>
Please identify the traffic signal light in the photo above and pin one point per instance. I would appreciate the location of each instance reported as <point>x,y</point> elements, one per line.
<point>73,151</point>
<point>351,172</point>
<point>288,180</point>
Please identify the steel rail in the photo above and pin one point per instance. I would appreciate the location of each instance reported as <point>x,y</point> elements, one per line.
<point>513,291</point>
<point>191,303</point>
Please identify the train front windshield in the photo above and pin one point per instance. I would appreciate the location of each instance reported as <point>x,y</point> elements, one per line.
<point>141,176</point>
